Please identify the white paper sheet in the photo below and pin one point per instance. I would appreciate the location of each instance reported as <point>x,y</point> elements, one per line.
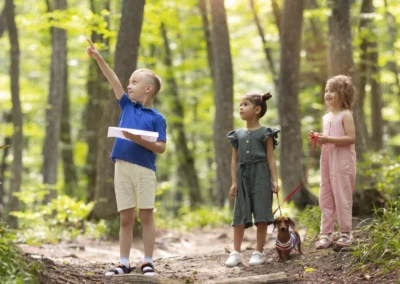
<point>117,132</point>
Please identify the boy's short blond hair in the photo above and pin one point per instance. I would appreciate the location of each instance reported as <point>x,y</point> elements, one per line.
<point>155,79</point>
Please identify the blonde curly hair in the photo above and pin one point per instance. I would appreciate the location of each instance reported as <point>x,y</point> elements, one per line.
<point>343,86</point>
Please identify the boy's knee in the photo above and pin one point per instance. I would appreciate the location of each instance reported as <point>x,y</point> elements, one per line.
<point>127,218</point>
<point>126,222</point>
<point>146,216</point>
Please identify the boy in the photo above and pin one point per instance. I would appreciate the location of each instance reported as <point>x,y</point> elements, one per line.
<point>135,181</point>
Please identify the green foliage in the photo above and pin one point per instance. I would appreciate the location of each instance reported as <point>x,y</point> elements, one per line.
<point>188,218</point>
<point>62,218</point>
<point>205,216</point>
<point>96,230</point>
<point>112,228</point>
<point>384,170</point>
<point>14,268</point>
<point>310,218</point>
<point>382,246</point>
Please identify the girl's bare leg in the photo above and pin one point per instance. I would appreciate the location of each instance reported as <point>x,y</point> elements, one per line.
<point>238,232</point>
<point>261,235</point>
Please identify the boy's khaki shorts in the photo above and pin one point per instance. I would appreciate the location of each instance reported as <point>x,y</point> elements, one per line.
<point>135,186</point>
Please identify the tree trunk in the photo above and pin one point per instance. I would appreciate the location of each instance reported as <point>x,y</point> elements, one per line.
<point>316,51</point>
<point>17,138</point>
<point>3,21</point>
<point>277,14</point>
<point>3,165</point>
<point>291,155</point>
<point>376,90</point>
<point>70,176</point>
<point>315,69</point>
<point>392,64</point>
<point>223,84</point>
<point>207,36</point>
<point>267,49</point>
<point>126,54</point>
<point>187,170</point>
<point>363,77</point>
<point>97,87</point>
<point>54,110</point>
<point>392,31</point>
<point>211,66</point>
<point>340,60</point>
<point>67,147</point>
<point>7,139</point>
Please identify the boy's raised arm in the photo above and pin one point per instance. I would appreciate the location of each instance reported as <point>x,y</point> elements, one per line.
<point>107,71</point>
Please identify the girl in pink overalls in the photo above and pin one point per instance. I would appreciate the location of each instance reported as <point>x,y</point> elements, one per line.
<point>338,162</point>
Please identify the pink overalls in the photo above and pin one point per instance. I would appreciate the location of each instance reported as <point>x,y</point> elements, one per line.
<point>338,173</point>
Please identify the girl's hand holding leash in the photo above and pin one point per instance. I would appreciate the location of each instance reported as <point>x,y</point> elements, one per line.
<point>275,187</point>
<point>315,135</point>
<point>310,136</point>
<point>233,190</point>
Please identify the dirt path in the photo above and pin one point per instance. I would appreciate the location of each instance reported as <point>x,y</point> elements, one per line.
<point>193,257</point>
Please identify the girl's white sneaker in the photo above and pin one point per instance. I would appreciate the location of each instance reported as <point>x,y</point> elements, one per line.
<point>234,259</point>
<point>257,258</point>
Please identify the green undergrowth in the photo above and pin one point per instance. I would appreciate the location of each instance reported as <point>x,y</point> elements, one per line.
<point>187,218</point>
<point>63,218</point>
<point>381,246</point>
<point>310,219</point>
<point>14,267</point>
<point>384,170</point>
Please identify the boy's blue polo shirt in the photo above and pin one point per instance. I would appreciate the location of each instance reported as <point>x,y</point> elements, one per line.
<point>134,115</point>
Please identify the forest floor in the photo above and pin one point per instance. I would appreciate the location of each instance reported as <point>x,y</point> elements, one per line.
<point>195,257</point>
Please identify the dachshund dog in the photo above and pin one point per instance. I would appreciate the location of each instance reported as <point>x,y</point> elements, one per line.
<point>286,239</point>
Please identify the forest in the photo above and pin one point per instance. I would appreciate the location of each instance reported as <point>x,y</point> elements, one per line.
<point>56,175</point>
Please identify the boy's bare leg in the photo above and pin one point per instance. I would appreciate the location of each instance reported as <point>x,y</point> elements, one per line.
<point>261,235</point>
<point>238,232</point>
<point>127,219</point>
<point>148,231</point>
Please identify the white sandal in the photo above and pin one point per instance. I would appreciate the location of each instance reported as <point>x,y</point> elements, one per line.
<point>345,240</point>
<point>324,242</point>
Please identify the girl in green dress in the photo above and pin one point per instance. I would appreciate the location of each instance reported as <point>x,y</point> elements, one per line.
<point>254,176</point>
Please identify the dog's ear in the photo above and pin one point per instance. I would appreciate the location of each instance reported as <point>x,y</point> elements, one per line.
<point>292,224</point>
<point>275,221</point>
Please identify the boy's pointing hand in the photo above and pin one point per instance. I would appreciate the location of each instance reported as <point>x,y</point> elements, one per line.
<point>92,51</point>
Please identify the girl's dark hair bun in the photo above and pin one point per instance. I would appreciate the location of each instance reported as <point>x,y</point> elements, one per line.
<point>266,96</point>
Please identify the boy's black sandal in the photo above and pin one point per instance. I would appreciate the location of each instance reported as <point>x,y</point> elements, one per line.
<point>148,269</point>
<point>121,269</point>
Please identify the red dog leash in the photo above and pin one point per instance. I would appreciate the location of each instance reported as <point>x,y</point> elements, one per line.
<point>313,143</point>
